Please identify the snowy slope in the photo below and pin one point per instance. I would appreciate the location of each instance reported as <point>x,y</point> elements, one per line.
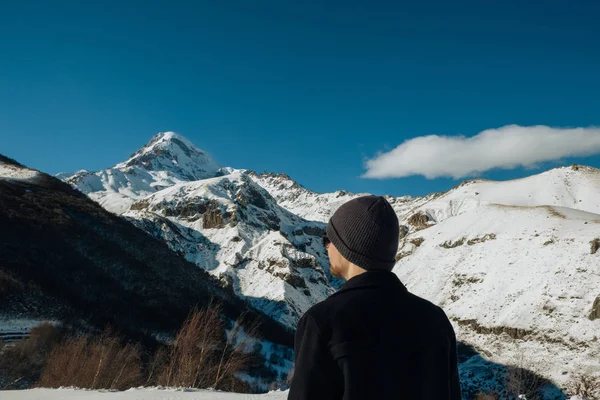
<point>13,172</point>
<point>235,230</point>
<point>525,271</point>
<point>575,187</point>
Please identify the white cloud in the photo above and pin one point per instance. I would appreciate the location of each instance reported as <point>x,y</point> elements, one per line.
<point>508,147</point>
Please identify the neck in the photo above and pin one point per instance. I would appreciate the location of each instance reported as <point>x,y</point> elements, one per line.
<point>352,271</point>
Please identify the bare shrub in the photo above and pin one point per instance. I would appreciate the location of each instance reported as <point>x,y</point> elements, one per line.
<point>193,357</point>
<point>204,355</point>
<point>585,386</point>
<point>156,366</point>
<point>208,352</point>
<point>23,361</point>
<point>521,381</point>
<point>236,355</point>
<point>94,363</point>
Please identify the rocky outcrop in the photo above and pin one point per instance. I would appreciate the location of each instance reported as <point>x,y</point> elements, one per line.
<point>484,238</point>
<point>403,231</point>
<point>417,241</point>
<point>248,195</point>
<point>214,217</point>
<point>270,220</point>
<point>420,220</point>
<point>313,230</point>
<point>449,244</point>
<point>595,313</point>
<point>515,333</point>
<point>594,246</point>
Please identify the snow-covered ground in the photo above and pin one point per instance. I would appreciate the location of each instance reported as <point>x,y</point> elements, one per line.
<point>135,394</point>
<point>143,394</point>
<point>514,268</point>
<point>12,172</point>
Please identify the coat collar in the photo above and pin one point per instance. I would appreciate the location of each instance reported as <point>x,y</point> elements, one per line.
<point>372,279</point>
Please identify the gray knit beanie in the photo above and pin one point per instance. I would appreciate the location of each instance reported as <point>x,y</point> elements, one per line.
<point>365,231</point>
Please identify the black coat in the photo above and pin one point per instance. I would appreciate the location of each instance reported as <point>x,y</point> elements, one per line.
<point>375,340</point>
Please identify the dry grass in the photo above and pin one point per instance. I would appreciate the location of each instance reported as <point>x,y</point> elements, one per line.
<point>552,211</point>
<point>206,353</point>
<point>191,359</point>
<point>585,386</point>
<point>93,363</point>
<point>23,361</point>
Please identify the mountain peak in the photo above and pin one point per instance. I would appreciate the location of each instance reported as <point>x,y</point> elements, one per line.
<point>174,154</point>
<point>171,139</point>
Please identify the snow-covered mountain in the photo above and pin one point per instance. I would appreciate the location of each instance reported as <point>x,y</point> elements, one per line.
<point>511,262</point>
<point>234,229</point>
<point>166,160</point>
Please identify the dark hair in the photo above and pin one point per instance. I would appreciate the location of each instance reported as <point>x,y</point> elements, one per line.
<point>326,240</point>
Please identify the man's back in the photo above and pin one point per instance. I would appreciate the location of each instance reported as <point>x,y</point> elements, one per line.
<point>375,340</point>
<point>372,339</point>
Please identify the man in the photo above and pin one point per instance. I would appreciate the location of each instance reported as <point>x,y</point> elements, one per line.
<point>372,339</point>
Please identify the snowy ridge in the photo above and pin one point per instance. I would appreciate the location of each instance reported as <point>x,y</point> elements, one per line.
<point>575,187</point>
<point>300,201</point>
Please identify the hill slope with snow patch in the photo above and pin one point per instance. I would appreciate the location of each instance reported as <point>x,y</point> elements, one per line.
<point>513,278</point>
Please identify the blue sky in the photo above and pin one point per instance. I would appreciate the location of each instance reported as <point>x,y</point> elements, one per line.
<point>312,89</point>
